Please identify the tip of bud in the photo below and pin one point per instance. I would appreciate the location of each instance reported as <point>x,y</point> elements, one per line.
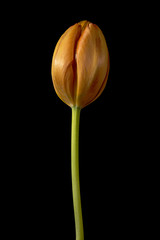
<point>83,24</point>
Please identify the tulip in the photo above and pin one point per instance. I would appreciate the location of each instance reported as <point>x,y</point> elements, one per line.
<point>80,64</point>
<point>80,68</point>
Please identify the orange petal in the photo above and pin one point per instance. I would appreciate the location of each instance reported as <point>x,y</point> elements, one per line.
<point>63,74</point>
<point>92,63</point>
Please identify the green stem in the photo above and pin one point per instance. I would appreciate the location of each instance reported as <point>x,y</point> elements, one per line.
<point>75,174</point>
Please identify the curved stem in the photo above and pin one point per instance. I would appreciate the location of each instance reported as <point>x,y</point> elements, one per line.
<point>75,174</point>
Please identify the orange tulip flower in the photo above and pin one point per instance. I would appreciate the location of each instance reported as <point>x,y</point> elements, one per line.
<point>80,64</point>
<point>80,68</point>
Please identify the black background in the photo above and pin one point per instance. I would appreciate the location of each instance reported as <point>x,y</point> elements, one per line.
<point>38,195</point>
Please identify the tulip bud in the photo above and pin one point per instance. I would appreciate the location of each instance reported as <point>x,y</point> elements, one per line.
<point>80,64</point>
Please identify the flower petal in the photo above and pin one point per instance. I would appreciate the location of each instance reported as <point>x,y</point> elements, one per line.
<point>63,74</point>
<point>92,63</point>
